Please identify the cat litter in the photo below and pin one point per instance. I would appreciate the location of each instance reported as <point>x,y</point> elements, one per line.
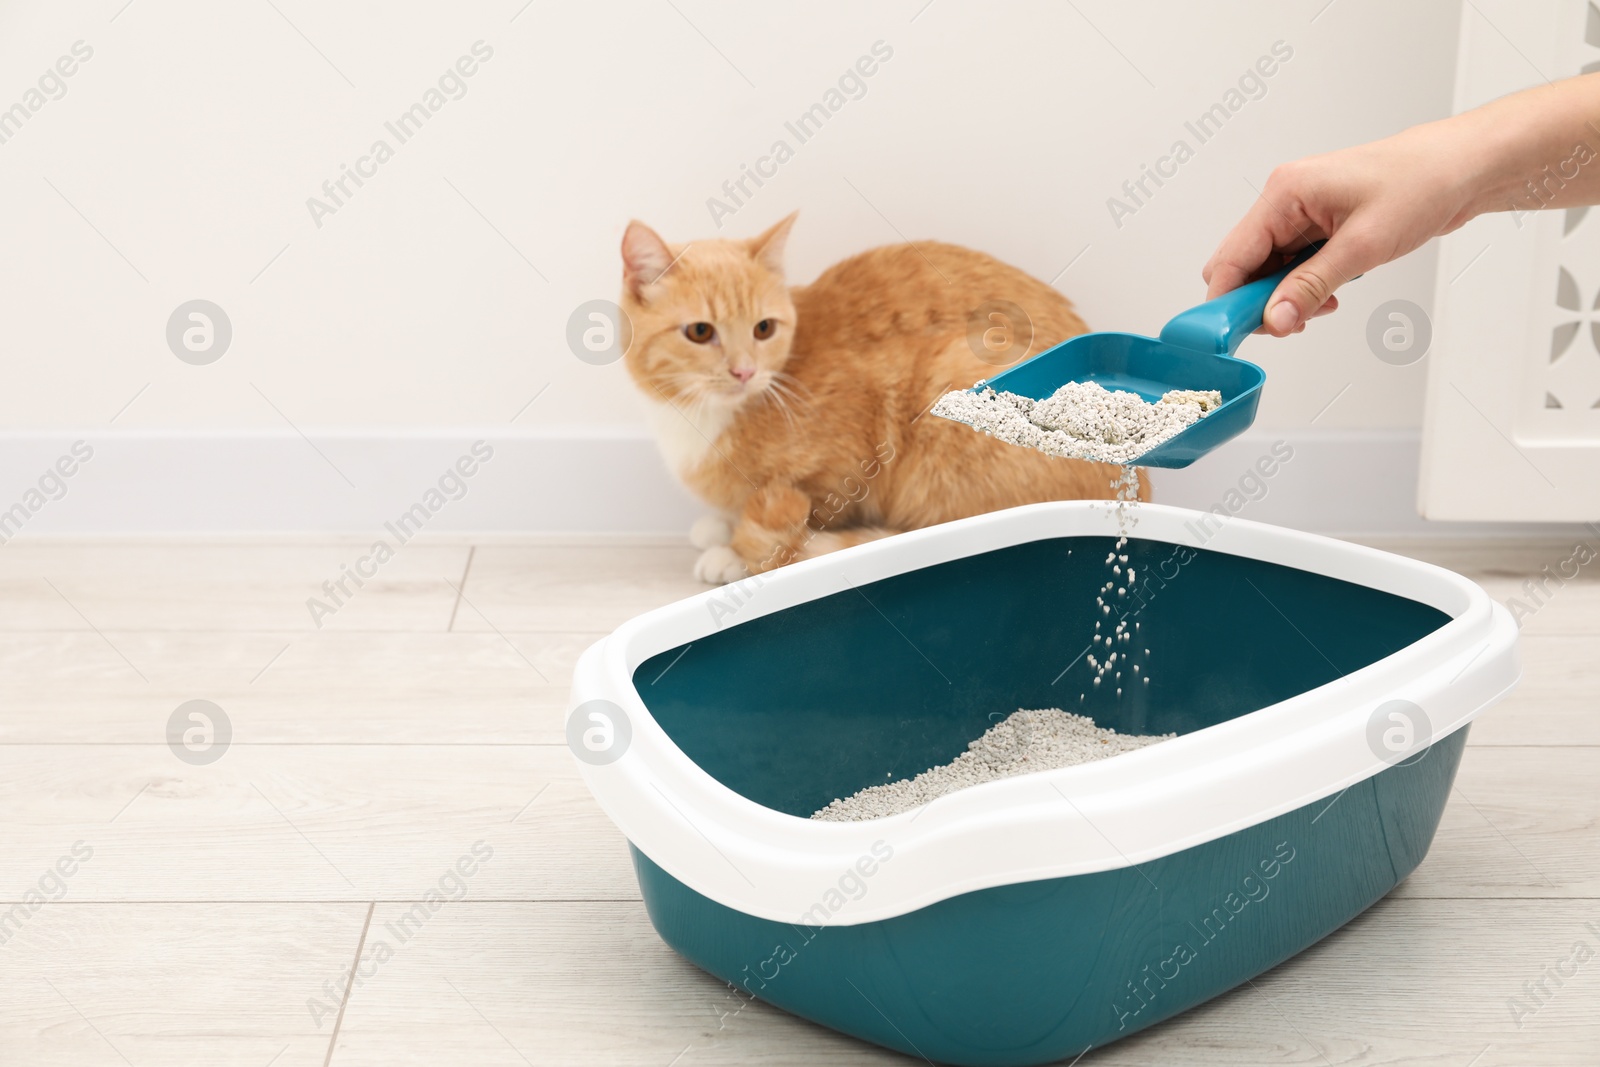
<point>1081,420</point>
<point>1023,742</point>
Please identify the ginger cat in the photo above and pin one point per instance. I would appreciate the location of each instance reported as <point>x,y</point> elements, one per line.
<point>800,414</point>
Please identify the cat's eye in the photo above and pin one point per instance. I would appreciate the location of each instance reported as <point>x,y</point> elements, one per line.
<point>764,329</point>
<point>700,332</point>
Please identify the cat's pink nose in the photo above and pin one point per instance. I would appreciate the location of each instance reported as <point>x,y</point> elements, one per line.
<point>744,374</point>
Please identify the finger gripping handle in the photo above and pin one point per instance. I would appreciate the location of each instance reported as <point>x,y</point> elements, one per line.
<point>1218,326</point>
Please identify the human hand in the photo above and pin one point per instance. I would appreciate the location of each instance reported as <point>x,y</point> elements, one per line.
<point>1372,203</point>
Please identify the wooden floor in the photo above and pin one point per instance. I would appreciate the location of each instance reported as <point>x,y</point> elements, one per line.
<point>220,906</point>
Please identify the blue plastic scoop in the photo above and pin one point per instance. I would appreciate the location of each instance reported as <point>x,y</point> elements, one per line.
<point>1195,351</point>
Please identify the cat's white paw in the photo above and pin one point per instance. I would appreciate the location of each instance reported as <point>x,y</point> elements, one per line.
<point>719,565</point>
<point>709,531</point>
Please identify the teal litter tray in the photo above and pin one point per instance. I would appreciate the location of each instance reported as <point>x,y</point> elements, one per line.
<point>1321,693</point>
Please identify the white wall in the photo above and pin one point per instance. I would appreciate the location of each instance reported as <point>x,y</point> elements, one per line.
<point>194,136</point>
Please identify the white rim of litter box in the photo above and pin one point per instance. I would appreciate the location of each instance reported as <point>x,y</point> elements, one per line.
<point>1115,813</point>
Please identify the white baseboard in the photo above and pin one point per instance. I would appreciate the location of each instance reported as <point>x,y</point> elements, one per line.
<point>1346,483</point>
<point>602,482</point>
<point>347,482</point>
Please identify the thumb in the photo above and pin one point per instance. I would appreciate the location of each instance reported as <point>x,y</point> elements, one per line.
<point>1299,296</point>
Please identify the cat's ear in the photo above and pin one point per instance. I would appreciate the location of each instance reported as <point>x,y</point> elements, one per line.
<point>767,249</point>
<point>645,256</point>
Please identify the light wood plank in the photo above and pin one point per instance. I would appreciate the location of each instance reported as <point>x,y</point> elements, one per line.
<point>1481,555</point>
<point>1520,822</point>
<point>515,588</point>
<point>320,687</point>
<point>1558,700</point>
<point>364,822</point>
<point>1410,982</point>
<point>212,984</point>
<point>558,984</point>
<point>1565,611</point>
<point>144,586</point>
<point>477,688</point>
<point>301,823</point>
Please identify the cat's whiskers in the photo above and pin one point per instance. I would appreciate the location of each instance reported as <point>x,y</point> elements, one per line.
<point>787,388</point>
<point>773,395</point>
<point>796,389</point>
<point>697,394</point>
<point>700,399</point>
<point>689,391</point>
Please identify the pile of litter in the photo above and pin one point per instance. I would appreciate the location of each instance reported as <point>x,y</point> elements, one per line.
<point>1023,742</point>
<point>1081,420</point>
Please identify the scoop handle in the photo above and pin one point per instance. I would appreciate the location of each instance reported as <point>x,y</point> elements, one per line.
<point>1218,326</point>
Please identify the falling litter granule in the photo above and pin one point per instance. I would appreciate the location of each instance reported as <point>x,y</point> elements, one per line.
<point>1023,742</point>
<point>1081,420</point>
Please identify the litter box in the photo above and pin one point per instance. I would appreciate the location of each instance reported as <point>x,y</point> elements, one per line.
<point>1321,693</point>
